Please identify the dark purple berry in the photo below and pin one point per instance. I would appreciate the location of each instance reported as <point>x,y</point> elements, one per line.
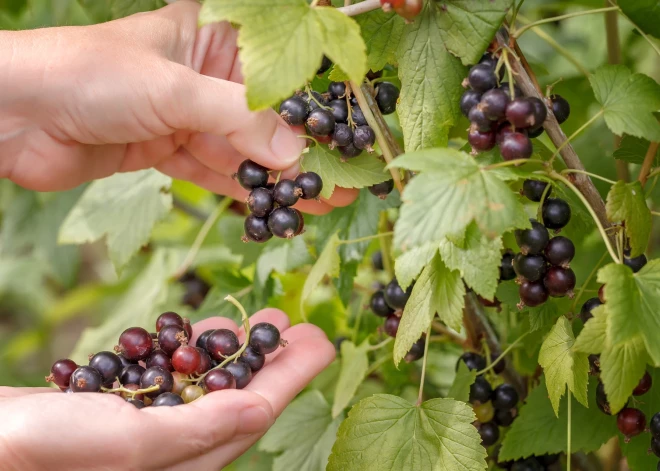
<point>481,390</point>
<point>532,293</point>
<point>482,77</point>
<point>253,358</point>
<point>284,222</point>
<point>256,229</point>
<point>560,251</point>
<point>159,358</point>
<point>286,192</point>
<point>217,380</point>
<point>631,422</point>
<point>644,385</point>
<point>504,417</point>
<point>339,110</point>
<point>391,325</point>
<point>260,202</point>
<point>205,362</point>
<point>315,101</point>
<point>168,318</point>
<point>479,120</point>
<point>358,117</point>
<point>108,364</point>
<point>386,96</point>
<point>382,189</point>
<point>655,448</point>
<point>506,267</point>
<point>521,113</point>
<point>157,376</point>
<point>494,103</point>
<point>488,59</point>
<point>416,351</point>
<point>241,372</point>
<point>530,267</point>
<point>473,361</point>
<point>654,425</point>
<point>559,281</point>
<point>138,403</point>
<point>536,132</point>
<point>172,337</point>
<point>251,175</point>
<point>379,306</point>
<point>310,184</point>
<point>516,90</point>
<point>135,344</point>
<point>294,110</point>
<point>635,263</point>
<point>516,145</point>
<point>469,100</point>
<point>540,112</point>
<point>61,371</point>
<point>587,308</point>
<point>342,135</point>
<point>377,260</point>
<point>498,367</point>
<point>505,396</point>
<point>325,65</point>
<point>533,189</point>
<point>131,374</point>
<point>395,296</point>
<point>364,137</point>
<point>489,433</point>
<point>534,240</point>
<point>337,89</point>
<point>349,151</point>
<point>481,141</point>
<point>125,361</point>
<point>167,399</point>
<point>556,213</point>
<point>85,379</point>
<point>264,338</point>
<point>560,108</point>
<point>320,122</point>
<point>221,344</point>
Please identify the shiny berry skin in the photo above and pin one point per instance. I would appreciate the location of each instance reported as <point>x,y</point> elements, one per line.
<point>504,130</point>
<point>342,135</point>
<point>337,89</point>
<point>601,399</point>
<point>138,403</point>
<point>469,100</point>
<point>172,337</point>
<point>186,359</point>
<point>559,281</point>
<point>481,390</point>
<point>313,103</point>
<point>533,293</point>
<point>187,327</point>
<point>410,9</point>
<point>533,189</point>
<point>205,363</point>
<point>506,267</point>
<point>391,325</point>
<point>386,96</point>
<point>530,267</point>
<point>218,379</point>
<point>253,358</point>
<point>484,411</point>
<point>159,358</point>
<point>588,306</point>
<point>489,59</point>
<point>516,145</point>
<point>256,229</point>
<point>284,222</point>
<point>644,385</point>
<point>473,361</point>
<point>534,240</point>
<point>479,120</point>
<point>416,351</point>
<point>168,318</point>
<point>294,110</point>
<point>135,344</point>
<point>168,399</point>
<point>654,425</point>
<point>241,372</point>
<point>260,202</point>
<point>349,151</point>
<point>339,110</point>
<point>536,132</point>
<point>395,296</point>
<point>125,361</point>
<point>221,344</point>
<point>655,448</point>
<point>517,92</point>
<point>320,122</point>
<point>481,141</point>
<point>286,192</point>
<point>635,263</point>
<point>326,63</point>
<point>157,376</point>
<point>85,379</point>
<point>264,338</point>
<point>481,78</point>
<point>364,137</point>
<point>498,367</point>
<point>377,260</point>
<point>556,213</point>
<point>301,224</point>
<point>489,433</point>
<point>521,113</point>
<point>504,417</point>
<point>494,103</point>
<point>631,422</point>
<point>505,396</point>
<point>191,393</point>
<point>560,108</point>
<point>310,184</point>
<point>61,371</point>
<point>131,374</point>
<point>379,306</point>
<point>560,251</point>
<point>358,117</point>
<point>251,175</point>
<point>540,112</point>
<point>382,189</point>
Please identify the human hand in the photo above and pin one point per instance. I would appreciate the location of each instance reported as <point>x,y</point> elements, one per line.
<point>43,428</point>
<point>149,90</point>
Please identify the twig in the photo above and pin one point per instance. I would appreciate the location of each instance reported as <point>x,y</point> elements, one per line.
<point>520,31</point>
<point>649,158</point>
<point>362,7</point>
<point>190,210</point>
<point>592,175</point>
<point>452,336</point>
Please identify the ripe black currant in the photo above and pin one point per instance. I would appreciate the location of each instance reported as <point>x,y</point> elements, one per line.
<point>320,122</point>
<point>479,119</point>
<point>469,100</point>
<point>256,229</point>
<point>386,96</point>
<point>61,371</point>
<point>498,367</point>
<point>472,360</point>
<point>540,112</point>
<point>533,189</point>
<point>377,260</point>
<point>349,151</point>
<point>391,325</point>
<point>157,376</point>
<point>416,351</point>
<point>548,460</point>
<point>364,137</point>
<point>559,281</point>
<point>529,267</point>
<point>264,338</point>
<point>506,267</point>
<point>251,175</point>
<point>219,379</point>
<point>489,433</point>
<point>521,113</point>
<point>108,364</point>
<point>556,213</point>
<point>644,385</point>
<point>516,145</point>
<point>221,344</point>
<point>138,403</point>
<point>167,399</point>
<point>588,306</point>
<point>560,251</point>
<point>159,358</point>
<point>517,92</point>
<point>358,116</point>
<point>488,59</point>
<point>655,448</point>
<point>168,318</point>
<point>85,379</point>
<point>260,201</point>
<point>315,101</point>
<point>654,425</point>
<point>294,110</point>
<point>631,422</point>
<point>560,108</point>
<point>342,135</point>
<point>205,362</point>
<point>125,361</point>
<point>284,222</point>
<point>481,141</point>
<point>481,390</point>
<point>534,240</point>
<point>635,263</point>
<point>379,306</point>
<point>241,372</point>
<point>325,65</point>
<point>536,132</point>
<point>337,89</point>
<point>504,417</point>
<point>494,103</point>
<point>310,184</point>
<point>482,77</point>
<point>286,192</point>
<point>532,293</point>
<point>135,344</point>
<point>172,337</point>
<point>382,189</point>
<point>253,358</point>
<point>339,110</point>
<point>505,397</point>
<point>395,296</point>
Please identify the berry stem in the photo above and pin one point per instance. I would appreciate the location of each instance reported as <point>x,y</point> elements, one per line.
<point>649,158</point>
<point>509,72</point>
<point>385,245</point>
<point>582,290</point>
<point>132,392</point>
<point>568,432</point>
<point>362,7</point>
<point>575,134</point>
<point>502,355</point>
<point>655,213</point>
<point>365,238</point>
<point>516,34</point>
<point>420,396</point>
<point>583,172</point>
<point>509,163</point>
<point>380,345</point>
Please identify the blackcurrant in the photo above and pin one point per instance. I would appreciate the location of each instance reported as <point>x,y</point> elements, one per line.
<point>168,399</point>
<point>534,240</point>
<point>157,376</point>
<point>481,77</point>
<point>540,112</point>
<point>654,425</point>
<point>536,132</point>
<point>489,433</point>
<point>517,92</point>
<point>377,260</point>
<point>320,122</point>
<point>488,59</point>
<point>505,396</point>
<point>284,222</point>
<point>469,100</point>
<point>644,385</point>
<point>286,192</point>
<point>560,251</point>
<point>222,343</point>
<point>481,141</point>
<point>516,145</point>
<point>337,89</point>
<point>187,327</point>
<point>559,281</point>
<point>325,65</point>
<point>172,337</point>
<point>342,135</point>
<point>260,202</point>
<point>186,359</point>
<point>391,325</point>
<point>125,361</point>
<point>530,267</point>
<point>395,296</point>
<point>533,189</point>
<point>256,229</point>
<point>631,422</point>
<point>135,344</point>
<point>504,417</point>
<point>473,361</point>
<point>379,306</point>
<point>533,293</point>
<point>339,110</point>
<point>521,113</point>
<point>294,110</point>
<point>191,393</point>
<point>241,371</point>
<point>85,379</point>
<point>138,403</point>
<point>301,223</point>
<point>560,108</point>
<point>251,175</point>
<point>168,318</point>
<point>364,137</point>
<point>635,263</point>
<point>601,399</point>
<point>358,117</point>
<point>480,390</point>
<point>386,96</point>
<point>498,367</point>
<point>556,213</point>
<point>205,362</point>
<point>315,101</point>
<point>382,189</point>
<point>506,267</point>
<point>416,351</point>
<point>61,371</point>
<point>217,380</point>
<point>264,338</point>
<point>588,306</point>
<point>655,448</point>
<point>504,130</point>
<point>159,358</point>
<point>349,151</point>
<point>253,358</point>
<point>196,291</point>
<point>479,120</point>
<point>131,374</point>
<point>494,103</point>
<point>410,9</point>
<point>310,185</point>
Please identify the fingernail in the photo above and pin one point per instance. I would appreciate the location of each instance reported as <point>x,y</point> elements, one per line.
<point>285,145</point>
<point>254,419</point>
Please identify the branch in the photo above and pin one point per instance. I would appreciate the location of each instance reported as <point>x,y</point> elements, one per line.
<point>362,7</point>
<point>649,158</point>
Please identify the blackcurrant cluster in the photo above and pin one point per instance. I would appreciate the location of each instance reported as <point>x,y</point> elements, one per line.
<point>162,369</point>
<point>408,9</point>
<point>271,204</point>
<point>501,117</point>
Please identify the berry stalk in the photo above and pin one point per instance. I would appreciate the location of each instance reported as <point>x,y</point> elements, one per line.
<point>420,396</point>
<point>648,162</point>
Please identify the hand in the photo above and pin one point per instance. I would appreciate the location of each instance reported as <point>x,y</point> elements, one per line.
<point>149,90</point>
<point>45,429</point>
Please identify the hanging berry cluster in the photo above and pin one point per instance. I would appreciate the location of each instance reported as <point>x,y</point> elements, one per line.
<point>162,369</point>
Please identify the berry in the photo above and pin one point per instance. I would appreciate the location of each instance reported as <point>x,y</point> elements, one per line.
<point>654,425</point>
<point>410,9</point>
<point>180,382</point>
<point>358,116</point>
<point>504,417</point>
<point>284,222</point>
<point>505,396</point>
<point>389,4</point>
<point>301,223</point>
<point>256,229</point>
<point>395,296</point>
<point>167,399</point>
<point>473,361</point>
<point>416,351</point>
<point>342,135</point>
<point>655,448</point>
<point>286,192</point>
<point>536,132</point>
<point>560,108</point>
<point>337,89</point>
<point>559,281</point>
<point>186,359</point>
<point>469,100</point>
<point>137,403</point>
<point>294,110</point>
<point>159,358</point>
<point>644,385</point>
<point>482,77</point>
<point>125,361</point>
<point>221,344</point>
<point>530,464</point>
<point>85,379</point>
<point>196,291</point>
<point>517,92</point>
<point>481,141</point>
<point>540,112</point>
<point>498,367</point>
<point>382,189</point>
<point>529,267</point>
<point>135,344</point>
<point>601,399</point>
<point>386,96</point>
<point>635,263</point>
<point>489,433</point>
<point>61,371</point>
<point>349,151</point>
<point>191,393</point>
<point>131,374</point>
<point>379,306</point>
<point>339,110</point>
<point>479,119</point>
<point>241,372</point>
<point>521,113</point>
<point>320,122</point>
<point>187,327</point>
<point>364,137</point>
<point>168,318</point>
<point>494,103</point>
<point>548,460</point>
<point>534,240</point>
<point>310,184</point>
<point>218,379</point>
<point>480,390</point>
<point>631,422</point>
<point>260,202</point>
<point>489,59</point>
<point>325,65</point>
<point>157,376</point>
<point>377,260</point>
<point>251,175</point>
<point>264,338</point>
<point>504,130</point>
<point>484,411</point>
<point>391,325</point>
<point>253,358</point>
<point>516,145</point>
<point>506,267</point>
<point>532,293</point>
<point>588,306</point>
<point>205,362</point>
<point>556,213</point>
<point>560,251</point>
<point>171,338</point>
<point>314,100</point>
<point>533,189</point>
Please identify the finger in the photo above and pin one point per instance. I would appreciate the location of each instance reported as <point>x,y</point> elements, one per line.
<point>221,456</point>
<point>212,323</point>
<point>7,392</point>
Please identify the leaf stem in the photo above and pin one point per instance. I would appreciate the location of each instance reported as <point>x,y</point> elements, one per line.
<point>383,225</point>
<point>509,163</point>
<point>649,158</point>
<point>520,31</point>
<point>453,337</point>
<point>365,238</point>
<point>584,172</point>
<point>586,282</point>
<point>502,355</point>
<point>576,133</point>
<point>362,7</point>
<point>420,396</point>
<point>377,364</point>
<point>380,345</point>
<point>568,432</point>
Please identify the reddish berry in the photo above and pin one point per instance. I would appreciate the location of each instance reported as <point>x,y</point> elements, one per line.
<point>186,359</point>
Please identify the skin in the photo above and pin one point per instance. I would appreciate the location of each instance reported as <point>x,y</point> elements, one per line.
<point>43,428</point>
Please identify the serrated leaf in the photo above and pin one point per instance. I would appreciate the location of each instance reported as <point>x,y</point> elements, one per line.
<point>563,366</point>
<point>410,264</point>
<point>438,289</point>
<point>303,434</point>
<point>626,203</point>
<point>387,433</point>
<point>537,431</point>
<point>453,191</point>
<point>633,150</point>
<point>382,33</point>
<point>326,264</point>
<point>282,44</point>
<point>644,13</point>
<point>593,338</point>
<point>542,316</point>
<point>282,256</point>
<point>122,208</point>
<point>460,388</point>
<point>628,100</point>
<point>354,365</point>
<point>338,75</point>
<point>359,172</point>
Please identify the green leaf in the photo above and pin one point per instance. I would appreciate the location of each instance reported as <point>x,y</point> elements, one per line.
<point>593,338</point>
<point>338,75</point>
<point>633,150</point>
<point>644,13</point>
<point>326,264</point>
<point>563,366</point>
<point>354,365</point>
<point>303,434</point>
<point>282,44</point>
<point>438,289</point>
<point>360,172</point>
<point>453,191</point>
<point>387,433</point>
<point>537,431</point>
<point>124,208</point>
<point>410,264</point>
<point>542,316</point>
<point>382,33</point>
<point>628,100</point>
<point>460,388</point>
<point>626,203</point>
<point>282,256</point>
